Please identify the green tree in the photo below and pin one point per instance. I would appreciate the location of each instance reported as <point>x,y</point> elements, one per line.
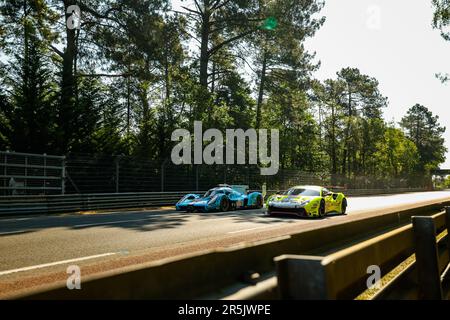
<point>32,92</point>
<point>5,106</point>
<point>109,137</point>
<point>231,103</point>
<point>423,128</point>
<point>216,25</point>
<point>234,94</point>
<point>279,52</point>
<point>351,107</point>
<point>228,21</point>
<point>33,114</point>
<point>91,102</point>
<point>360,98</point>
<point>290,112</point>
<point>395,155</point>
<point>331,119</point>
<point>441,17</point>
<point>447,182</point>
<point>5,127</point>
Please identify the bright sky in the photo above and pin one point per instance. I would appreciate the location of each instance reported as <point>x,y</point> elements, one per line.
<point>393,41</point>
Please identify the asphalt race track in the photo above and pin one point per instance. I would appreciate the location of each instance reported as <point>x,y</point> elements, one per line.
<point>38,249</point>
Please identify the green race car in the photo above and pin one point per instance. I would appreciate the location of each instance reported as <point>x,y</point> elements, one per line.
<point>307,201</point>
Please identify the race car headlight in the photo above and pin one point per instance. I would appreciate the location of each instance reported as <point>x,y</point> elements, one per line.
<point>304,203</point>
<point>212,200</point>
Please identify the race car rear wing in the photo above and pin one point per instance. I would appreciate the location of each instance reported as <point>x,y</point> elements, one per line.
<point>335,187</point>
<point>243,189</point>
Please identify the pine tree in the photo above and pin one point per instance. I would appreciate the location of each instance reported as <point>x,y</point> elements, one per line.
<point>423,128</point>
<point>5,127</point>
<point>278,50</point>
<point>29,79</point>
<point>33,115</point>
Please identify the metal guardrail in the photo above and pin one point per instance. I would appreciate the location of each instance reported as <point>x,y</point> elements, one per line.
<point>84,202</point>
<point>233,272</point>
<point>11,205</point>
<point>343,275</point>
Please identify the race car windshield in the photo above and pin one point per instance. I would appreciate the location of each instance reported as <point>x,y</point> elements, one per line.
<point>304,192</point>
<point>212,193</point>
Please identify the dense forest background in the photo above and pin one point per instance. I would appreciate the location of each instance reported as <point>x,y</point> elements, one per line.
<point>135,70</point>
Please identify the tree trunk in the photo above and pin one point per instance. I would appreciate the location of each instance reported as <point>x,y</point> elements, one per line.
<point>26,40</point>
<point>128,90</point>
<point>75,66</point>
<point>333,141</point>
<point>261,90</point>
<point>213,81</point>
<point>345,160</point>
<point>204,50</point>
<point>166,117</point>
<point>167,78</point>
<point>67,84</point>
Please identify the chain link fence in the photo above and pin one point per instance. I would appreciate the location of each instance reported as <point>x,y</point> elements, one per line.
<point>31,174</point>
<point>119,174</point>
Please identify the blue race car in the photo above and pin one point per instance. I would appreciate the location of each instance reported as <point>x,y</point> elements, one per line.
<point>221,198</point>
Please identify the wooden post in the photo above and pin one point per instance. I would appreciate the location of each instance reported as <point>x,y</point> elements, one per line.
<point>302,278</point>
<point>427,259</point>
<point>447,222</point>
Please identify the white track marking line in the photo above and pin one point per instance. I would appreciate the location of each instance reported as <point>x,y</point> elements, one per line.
<point>251,229</point>
<point>2,273</point>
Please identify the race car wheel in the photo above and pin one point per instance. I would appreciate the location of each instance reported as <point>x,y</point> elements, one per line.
<point>322,209</point>
<point>259,202</point>
<point>344,206</point>
<point>224,204</point>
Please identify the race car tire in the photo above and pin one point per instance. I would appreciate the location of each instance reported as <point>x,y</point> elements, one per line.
<point>224,204</point>
<point>322,209</point>
<point>344,206</point>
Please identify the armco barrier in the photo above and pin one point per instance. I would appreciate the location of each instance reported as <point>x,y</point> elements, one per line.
<point>231,272</point>
<point>343,275</point>
<point>12,205</point>
<point>84,202</point>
